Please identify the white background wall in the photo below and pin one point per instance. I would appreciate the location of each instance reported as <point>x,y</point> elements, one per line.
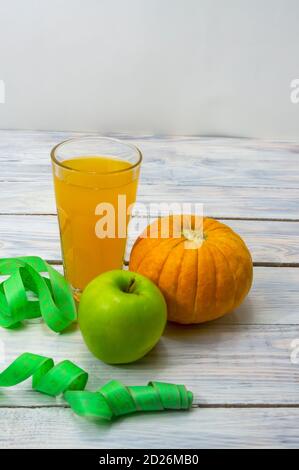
<point>213,67</point>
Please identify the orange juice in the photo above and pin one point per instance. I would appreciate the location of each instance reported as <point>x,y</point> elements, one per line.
<point>87,189</point>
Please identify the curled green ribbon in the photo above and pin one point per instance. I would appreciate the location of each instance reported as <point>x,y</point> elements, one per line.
<point>54,303</point>
<point>46,378</point>
<point>112,400</point>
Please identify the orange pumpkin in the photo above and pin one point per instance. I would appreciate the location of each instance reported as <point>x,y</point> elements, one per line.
<point>204,271</point>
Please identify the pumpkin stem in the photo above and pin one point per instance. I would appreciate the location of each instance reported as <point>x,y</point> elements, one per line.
<point>194,236</point>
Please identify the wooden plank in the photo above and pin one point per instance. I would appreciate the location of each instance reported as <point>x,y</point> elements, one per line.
<point>198,429</point>
<point>29,235</point>
<point>190,161</point>
<point>227,202</point>
<point>221,364</point>
<point>27,198</point>
<point>269,242</point>
<point>38,197</point>
<point>273,299</point>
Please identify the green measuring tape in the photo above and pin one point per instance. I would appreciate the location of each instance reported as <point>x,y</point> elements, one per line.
<point>53,296</point>
<point>112,400</point>
<point>46,378</point>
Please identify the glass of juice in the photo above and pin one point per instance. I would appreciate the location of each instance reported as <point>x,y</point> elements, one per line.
<point>95,180</point>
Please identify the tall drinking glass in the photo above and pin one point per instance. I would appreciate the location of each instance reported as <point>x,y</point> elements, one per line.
<point>95,182</point>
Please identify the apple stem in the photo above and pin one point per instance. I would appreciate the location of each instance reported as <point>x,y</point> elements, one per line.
<point>131,286</point>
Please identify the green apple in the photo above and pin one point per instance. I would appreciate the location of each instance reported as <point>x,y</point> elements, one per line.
<point>122,315</point>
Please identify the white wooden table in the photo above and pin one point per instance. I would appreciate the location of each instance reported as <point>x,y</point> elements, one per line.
<point>246,387</point>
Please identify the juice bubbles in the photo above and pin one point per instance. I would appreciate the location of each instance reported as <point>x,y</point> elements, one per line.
<point>93,198</point>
